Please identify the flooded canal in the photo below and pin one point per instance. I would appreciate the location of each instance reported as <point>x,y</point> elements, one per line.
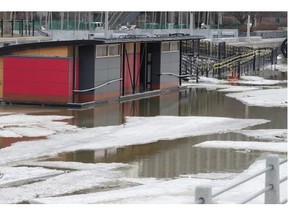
<point>166,159</point>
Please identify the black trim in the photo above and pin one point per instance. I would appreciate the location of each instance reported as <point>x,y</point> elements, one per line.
<point>35,45</point>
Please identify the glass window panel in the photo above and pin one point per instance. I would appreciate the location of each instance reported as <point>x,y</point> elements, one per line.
<point>101,51</point>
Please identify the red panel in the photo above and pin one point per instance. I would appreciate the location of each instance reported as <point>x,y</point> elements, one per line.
<point>129,75</point>
<point>19,87</point>
<point>37,76</point>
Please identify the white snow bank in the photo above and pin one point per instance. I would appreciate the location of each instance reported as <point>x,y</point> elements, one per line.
<point>179,190</point>
<point>238,89</point>
<point>266,98</point>
<point>212,80</point>
<point>137,130</point>
<point>19,125</point>
<point>101,176</point>
<point>267,134</point>
<point>255,80</point>
<point>76,165</point>
<point>247,145</point>
<point>16,175</point>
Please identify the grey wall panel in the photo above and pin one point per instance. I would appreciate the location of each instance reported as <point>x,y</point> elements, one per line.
<point>107,69</point>
<point>101,63</point>
<point>169,64</point>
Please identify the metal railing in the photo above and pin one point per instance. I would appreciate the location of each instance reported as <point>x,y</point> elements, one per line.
<point>12,28</point>
<point>222,58</point>
<point>97,87</point>
<point>203,194</point>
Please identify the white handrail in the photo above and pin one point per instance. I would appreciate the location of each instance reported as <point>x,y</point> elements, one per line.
<point>96,87</point>
<point>203,194</point>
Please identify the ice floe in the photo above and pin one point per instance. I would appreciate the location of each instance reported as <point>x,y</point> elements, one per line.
<point>20,125</point>
<point>136,130</point>
<point>267,134</point>
<point>246,145</point>
<point>100,176</point>
<point>264,98</point>
<point>180,190</point>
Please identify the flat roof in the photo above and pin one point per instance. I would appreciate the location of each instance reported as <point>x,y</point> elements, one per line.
<point>125,39</point>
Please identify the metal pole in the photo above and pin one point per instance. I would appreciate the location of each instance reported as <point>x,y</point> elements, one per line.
<point>272,178</point>
<point>134,69</point>
<point>203,195</point>
<point>248,28</point>
<point>123,69</point>
<point>12,27</point>
<point>191,23</point>
<point>106,24</point>
<point>180,65</point>
<point>33,24</point>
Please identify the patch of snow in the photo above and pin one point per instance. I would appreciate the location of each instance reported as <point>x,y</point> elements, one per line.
<point>101,176</point>
<point>265,98</point>
<point>247,145</point>
<point>255,80</point>
<point>212,80</point>
<point>136,130</point>
<point>267,134</point>
<point>180,190</point>
<point>238,89</point>
<point>16,174</point>
<point>19,125</point>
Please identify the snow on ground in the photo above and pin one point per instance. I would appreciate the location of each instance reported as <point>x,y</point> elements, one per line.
<point>19,125</point>
<point>256,80</point>
<point>180,190</point>
<point>100,176</point>
<point>225,85</point>
<point>16,174</point>
<point>238,89</point>
<point>136,130</point>
<point>267,134</point>
<point>246,145</point>
<point>265,98</point>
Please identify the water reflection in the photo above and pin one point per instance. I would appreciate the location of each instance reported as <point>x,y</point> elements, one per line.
<point>172,158</point>
<point>176,157</point>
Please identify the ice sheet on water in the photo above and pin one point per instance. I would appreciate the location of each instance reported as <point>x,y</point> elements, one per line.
<point>267,134</point>
<point>247,145</point>
<point>180,190</point>
<point>264,98</point>
<point>19,125</point>
<point>101,176</point>
<point>136,130</point>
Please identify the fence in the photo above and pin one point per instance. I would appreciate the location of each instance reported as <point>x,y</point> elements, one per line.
<point>203,194</point>
<point>13,28</point>
<point>219,59</point>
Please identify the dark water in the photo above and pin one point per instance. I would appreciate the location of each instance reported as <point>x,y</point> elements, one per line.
<point>168,158</point>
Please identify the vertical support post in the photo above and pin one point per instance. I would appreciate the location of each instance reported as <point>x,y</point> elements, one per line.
<point>134,69</point>
<point>106,24</point>
<point>248,28</point>
<point>272,178</point>
<point>191,23</point>
<point>22,27</point>
<point>33,23</point>
<point>204,194</point>
<point>197,74</point>
<point>123,69</point>
<point>180,62</point>
<point>12,27</point>
<point>2,27</point>
<point>239,69</point>
<point>29,27</point>
<point>74,76</point>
